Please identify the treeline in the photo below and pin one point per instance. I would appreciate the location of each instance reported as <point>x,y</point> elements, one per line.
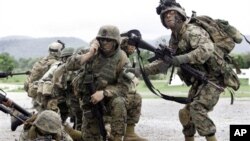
<point>9,63</point>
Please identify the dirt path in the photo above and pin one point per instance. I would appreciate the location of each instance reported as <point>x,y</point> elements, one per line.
<point>159,120</point>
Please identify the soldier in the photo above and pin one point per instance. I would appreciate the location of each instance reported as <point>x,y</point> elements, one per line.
<point>104,71</point>
<point>192,45</point>
<point>134,98</point>
<point>46,126</point>
<point>40,68</point>
<point>56,87</point>
<point>62,80</point>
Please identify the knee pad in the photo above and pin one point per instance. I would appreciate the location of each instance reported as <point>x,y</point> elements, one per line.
<point>184,116</point>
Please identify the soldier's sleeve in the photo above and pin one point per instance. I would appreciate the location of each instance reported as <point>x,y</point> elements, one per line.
<point>156,67</point>
<point>73,63</point>
<point>201,44</point>
<point>49,74</point>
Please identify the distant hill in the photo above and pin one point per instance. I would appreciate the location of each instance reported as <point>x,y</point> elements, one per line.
<point>26,47</point>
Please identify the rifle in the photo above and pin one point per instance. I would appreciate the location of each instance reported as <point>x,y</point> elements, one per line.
<point>6,74</point>
<point>97,109</point>
<point>166,55</point>
<point>6,102</point>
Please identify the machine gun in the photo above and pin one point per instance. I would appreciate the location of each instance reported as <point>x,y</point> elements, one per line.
<point>165,54</point>
<point>6,103</point>
<point>7,74</point>
<point>97,109</point>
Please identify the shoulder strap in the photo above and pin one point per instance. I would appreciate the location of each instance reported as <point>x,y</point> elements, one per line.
<point>182,100</point>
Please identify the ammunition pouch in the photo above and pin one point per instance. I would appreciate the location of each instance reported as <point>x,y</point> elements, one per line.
<point>230,78</point>
<point>47,88</point>
<point>184,116</point>
<point>40,87</point>
<point>32,90</point>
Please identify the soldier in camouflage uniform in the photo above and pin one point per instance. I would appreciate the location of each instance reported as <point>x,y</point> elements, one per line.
<point>134,98</point>
<point>106,68</point>
<point>62,80</point>
<point>45,126</point>
<point>40,68</point>
<point>192,45</point>
<point>57,91</point>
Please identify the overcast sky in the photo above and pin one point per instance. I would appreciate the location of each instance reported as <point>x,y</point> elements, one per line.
<point>82,18</point>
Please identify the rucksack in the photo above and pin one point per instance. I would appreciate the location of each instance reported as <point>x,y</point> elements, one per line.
<point>224,36</point>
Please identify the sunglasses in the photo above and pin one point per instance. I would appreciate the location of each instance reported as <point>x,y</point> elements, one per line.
<point>105,39</point>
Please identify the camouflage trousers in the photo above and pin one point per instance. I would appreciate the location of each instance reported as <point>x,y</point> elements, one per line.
<point>134,108</point>
<point>194,116</point>
<point>116,109</point>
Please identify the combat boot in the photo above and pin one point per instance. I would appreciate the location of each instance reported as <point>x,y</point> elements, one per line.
<point>211,138</point>
<point>189,138</point>
<point>131,135</point>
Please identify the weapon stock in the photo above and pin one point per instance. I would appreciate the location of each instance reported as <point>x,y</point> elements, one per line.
<point>9,103</point>
<point>23,116</point>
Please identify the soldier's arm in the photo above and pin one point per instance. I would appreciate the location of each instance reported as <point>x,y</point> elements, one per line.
<point>94,45</point>
<point>48,75</point>
<point>76,61</point>
<point>202,45</point>
<point>156,67</point>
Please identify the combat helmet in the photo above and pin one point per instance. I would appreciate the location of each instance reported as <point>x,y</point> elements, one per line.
<point>56,46</point>
<point>48,121</point>
<point>167,5</point>
<point>109,32</point>
<point>67,52</point>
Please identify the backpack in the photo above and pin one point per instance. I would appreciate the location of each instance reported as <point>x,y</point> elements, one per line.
<point>224,36</point>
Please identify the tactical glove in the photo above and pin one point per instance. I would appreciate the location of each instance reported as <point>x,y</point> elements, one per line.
<point>180,59</point>
<point>136,71</point>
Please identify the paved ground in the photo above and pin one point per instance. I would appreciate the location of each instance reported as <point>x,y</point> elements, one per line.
<point>159,120</point>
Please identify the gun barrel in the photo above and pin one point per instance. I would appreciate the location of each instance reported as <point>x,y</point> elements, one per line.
<point>9,103</point>
<point>144,45</point>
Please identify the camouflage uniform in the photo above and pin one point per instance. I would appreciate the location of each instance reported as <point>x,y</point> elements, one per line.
<point>46,125</point>
<point>106,70</point>
<point>192,45</point>
<point>59,93</point>
<point>39,69</point>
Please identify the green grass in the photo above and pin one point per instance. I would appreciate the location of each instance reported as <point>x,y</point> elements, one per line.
<point>17,79</point>
<point>183,90</point>
<point>145,92</point>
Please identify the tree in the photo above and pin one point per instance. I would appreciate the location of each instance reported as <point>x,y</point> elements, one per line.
<point>7,62</point>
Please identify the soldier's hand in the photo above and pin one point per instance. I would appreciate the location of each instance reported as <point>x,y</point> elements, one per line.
<point>97,97</point>
<point>180,59</point>
<point>136,71</point>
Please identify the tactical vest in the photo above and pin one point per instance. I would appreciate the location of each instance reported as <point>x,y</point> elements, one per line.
<point>105,70</point>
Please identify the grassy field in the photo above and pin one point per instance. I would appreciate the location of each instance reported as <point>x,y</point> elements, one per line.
<point>162,85</point>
